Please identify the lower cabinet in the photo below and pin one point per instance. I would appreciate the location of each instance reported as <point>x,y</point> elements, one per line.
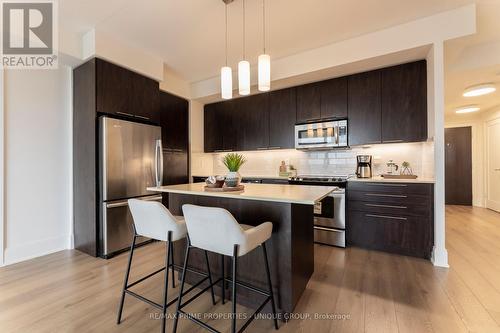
<point>391,217</point>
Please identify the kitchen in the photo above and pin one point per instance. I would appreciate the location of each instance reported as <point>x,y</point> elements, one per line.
<point>304,192</point>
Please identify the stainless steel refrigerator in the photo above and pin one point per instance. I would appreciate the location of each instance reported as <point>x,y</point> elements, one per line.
<point>130,161</point>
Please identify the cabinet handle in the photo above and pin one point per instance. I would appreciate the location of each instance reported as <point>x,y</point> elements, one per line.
<point>142,117</point>
<point>391,141</point>
<point>263,148</point>
<point>276,147</point>
<point>222,150</point>
<point>385,184</point>
<point>386,217</point>
<point>327,229</point>
<point>386,195</point>
<point>125,114</point>
<point>386,206</point>
<point>227,150</point>
<point>173,150</point>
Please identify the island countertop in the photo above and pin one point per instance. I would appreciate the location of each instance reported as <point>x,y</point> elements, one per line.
<point>298,194</point>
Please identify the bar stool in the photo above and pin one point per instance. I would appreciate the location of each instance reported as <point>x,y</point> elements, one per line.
<point>216,230</point>
<point>153,220</point>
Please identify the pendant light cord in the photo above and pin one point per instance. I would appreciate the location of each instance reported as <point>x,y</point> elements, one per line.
<point>264,24</point>
<point>243,29</point>
<point>226,33</point>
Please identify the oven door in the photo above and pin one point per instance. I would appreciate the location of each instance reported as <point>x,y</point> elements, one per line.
<point>330,212</point>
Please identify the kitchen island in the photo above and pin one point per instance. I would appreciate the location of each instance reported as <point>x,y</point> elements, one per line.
<point>290,249</point>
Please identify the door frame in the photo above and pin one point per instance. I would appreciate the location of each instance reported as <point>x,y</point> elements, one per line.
<point>487,124</point>
<point>2,166</point>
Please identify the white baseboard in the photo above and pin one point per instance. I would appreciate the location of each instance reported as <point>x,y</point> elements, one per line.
<point>440,257</point>
<point>32,250</point>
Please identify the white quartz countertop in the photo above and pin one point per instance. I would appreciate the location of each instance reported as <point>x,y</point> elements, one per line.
<point>385,180</point>
<point>299,194</point>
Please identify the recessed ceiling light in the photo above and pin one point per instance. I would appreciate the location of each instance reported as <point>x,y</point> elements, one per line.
<point>479,90</point>
<point>467,109</point>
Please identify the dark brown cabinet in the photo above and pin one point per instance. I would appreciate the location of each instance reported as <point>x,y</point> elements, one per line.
<point>334,98</point>
<point>391,217</point>
<point>255,122</point>
<point>404,103</point>
<point>365,114</point>
<point>222,126</point>
<point>308,103</point>
<point>282,119</point>
<point>212,128</point>
<point>123,92</point>
<point>174,115</point>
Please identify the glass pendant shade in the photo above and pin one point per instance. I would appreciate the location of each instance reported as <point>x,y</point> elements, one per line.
<point>244,77</point>
<point>264,72</point>
<point>226,82</point>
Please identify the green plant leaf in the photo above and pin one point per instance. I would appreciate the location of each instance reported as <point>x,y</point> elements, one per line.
<point>233,161</point>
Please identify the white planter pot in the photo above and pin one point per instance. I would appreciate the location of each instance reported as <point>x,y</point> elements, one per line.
<point>233,179</point>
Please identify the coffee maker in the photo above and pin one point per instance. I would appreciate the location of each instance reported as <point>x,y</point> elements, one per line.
<point>364,167</point>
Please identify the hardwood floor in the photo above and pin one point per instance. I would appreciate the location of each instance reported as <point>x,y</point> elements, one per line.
<point>367,291</point>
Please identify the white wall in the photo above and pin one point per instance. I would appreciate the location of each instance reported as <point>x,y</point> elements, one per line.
<point>38,154</point>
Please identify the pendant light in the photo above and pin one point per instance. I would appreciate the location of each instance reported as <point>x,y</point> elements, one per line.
<point>226,74</point>
<point>264,59</point>
<point>244,66</point>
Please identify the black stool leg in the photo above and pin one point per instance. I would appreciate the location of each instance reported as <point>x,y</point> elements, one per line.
<point>125,284</point>
<point>270,286</point>
<point>171,252</point>
<point>183,279</point>
<point>223,274</point>
<point>235,263</point>
<point>210,278</point>
<point>165,292</point>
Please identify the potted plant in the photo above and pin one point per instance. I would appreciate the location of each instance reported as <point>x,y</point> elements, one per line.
<point>233,163</point>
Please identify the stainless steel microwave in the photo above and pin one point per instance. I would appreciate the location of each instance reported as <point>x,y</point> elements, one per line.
<point>321,135</point>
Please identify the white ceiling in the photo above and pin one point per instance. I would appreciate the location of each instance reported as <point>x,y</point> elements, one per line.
<point>189,34</point>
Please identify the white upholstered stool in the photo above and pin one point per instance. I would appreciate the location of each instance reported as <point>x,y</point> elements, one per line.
<point>153,220</point>
<point>216,230</point>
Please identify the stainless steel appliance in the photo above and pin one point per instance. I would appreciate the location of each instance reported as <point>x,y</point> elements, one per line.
<point>329,213</point>
<point>130,161</point>
<point>321,135</point>
<point>364,167</point>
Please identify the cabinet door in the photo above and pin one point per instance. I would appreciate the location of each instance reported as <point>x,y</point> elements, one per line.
<point>229,115</point>
<point>308,102</point>
<point>212,128</point>
<point>364,108</point>
<point>404,103</point>
<point>282,118</point>
<point>334,98</point>
<point>174,113</point>
<point>255,129</point>
<point>145,100</point>
<point>113,88</point>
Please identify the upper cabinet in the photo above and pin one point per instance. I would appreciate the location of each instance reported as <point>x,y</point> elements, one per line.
<point>404,103</point>
<point>381,106</point>
<point>334,98</point>
<point>308,103</point>
<point>364,114</point>
<point>123,92</point>
<point>282,118</point>
<point>174,121</point>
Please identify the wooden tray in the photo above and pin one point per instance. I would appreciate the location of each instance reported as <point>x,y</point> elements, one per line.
<point>400,176</point>
<point>225,189</point>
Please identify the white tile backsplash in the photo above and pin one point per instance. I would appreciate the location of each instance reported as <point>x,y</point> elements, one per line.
<point>341,162</point>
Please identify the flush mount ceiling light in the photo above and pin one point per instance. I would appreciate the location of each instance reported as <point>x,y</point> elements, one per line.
<point>226,73</point>
<point>467,109</point>
<point>479,90</point>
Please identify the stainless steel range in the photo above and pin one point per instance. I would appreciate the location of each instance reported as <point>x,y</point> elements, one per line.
<point>329,213</point>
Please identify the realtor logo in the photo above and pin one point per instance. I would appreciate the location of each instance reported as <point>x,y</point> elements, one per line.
<point>29,37</point>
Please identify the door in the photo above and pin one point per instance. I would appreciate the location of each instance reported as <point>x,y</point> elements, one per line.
<point>308,102</point>
<point>174,121</point>
<point>128,158</point>
<point>364,108</point>
<point>458,166</point>
<point>282,119</point>
<point>493,165</point>
<point>334,98</point>
<point>404,103</point>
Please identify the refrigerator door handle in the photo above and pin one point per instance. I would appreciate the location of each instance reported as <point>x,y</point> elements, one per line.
<point>158,164</point>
